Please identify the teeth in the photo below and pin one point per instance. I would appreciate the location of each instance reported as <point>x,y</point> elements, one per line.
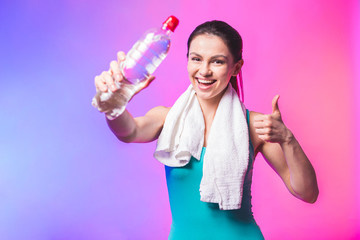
<point>205,81</point>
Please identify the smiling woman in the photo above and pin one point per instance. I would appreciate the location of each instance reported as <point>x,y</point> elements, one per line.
<point>210,66</point>
<point>220,161</point>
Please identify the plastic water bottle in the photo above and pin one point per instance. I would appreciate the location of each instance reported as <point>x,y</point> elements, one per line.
<point>141,61</point>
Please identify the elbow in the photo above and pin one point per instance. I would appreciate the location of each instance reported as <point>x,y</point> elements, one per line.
<point>314,197</point>
<point>124,139</point>
<point>307,194</point>
<point>311,196</point>
<point>127,139</point>
<point>315,193</point>
<point>307,191</point>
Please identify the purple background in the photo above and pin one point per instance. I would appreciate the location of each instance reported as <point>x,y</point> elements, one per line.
<point>63,175</point>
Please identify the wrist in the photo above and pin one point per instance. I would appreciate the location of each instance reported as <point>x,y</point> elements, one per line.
<point>288,138</point>
<point>123,126</point>
<point>114,113</point>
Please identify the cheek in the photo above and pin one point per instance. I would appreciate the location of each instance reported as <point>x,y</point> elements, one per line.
<point>225,74</point>
<point>190,69</point>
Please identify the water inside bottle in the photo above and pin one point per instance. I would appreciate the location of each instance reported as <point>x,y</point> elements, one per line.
<point>141,61</point>
<point>145,57</point>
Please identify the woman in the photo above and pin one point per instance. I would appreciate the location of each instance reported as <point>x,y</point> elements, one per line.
<point>214,61</point>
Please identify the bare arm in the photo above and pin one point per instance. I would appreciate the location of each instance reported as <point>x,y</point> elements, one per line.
<point>284,154</point>
<point>140,129</point>
<point>125,127</point>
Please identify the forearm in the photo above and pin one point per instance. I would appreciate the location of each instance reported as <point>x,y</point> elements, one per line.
<point>302,175</point>
<point>124,126</point>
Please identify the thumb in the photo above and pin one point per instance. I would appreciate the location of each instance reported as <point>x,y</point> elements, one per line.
<point>275,106</point>
<point>148,81</point>
<point>145,83</point>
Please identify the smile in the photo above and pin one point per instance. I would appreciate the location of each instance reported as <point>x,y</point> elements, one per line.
<point>205,81</point>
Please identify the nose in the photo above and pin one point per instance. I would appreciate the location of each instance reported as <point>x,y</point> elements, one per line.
<point>205,70</point>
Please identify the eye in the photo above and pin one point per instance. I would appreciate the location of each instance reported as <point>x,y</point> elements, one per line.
<point>218,61</point>
<point>195,59</point>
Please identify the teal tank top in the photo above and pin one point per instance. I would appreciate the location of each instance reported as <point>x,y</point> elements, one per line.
<point>193,219</point>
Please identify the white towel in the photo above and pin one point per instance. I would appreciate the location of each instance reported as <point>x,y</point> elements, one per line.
<point>227,152</point>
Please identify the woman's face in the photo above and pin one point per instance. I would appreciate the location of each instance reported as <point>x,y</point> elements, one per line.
<point>210,66</point>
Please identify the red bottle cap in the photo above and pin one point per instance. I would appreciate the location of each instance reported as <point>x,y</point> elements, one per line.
<point>171,23</point>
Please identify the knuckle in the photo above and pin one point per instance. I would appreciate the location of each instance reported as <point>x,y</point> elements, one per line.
<point>97,81</point>
<point>121,56</point>
<point>263,137</point>
<point>104,73</point>
<point>113,64</point>
<point>107,77</point>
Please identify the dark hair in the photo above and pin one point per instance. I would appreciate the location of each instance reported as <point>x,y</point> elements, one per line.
<point>228,34</point>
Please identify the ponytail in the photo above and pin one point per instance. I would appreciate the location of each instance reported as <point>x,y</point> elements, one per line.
<point>237,84</point>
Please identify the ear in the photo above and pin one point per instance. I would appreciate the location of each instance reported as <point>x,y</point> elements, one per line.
<point>238,67</point>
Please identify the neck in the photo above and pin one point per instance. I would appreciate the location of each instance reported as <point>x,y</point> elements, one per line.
<point>209,106</point>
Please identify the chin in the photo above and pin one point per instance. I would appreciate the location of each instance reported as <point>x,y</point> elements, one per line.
<point>205,95</point>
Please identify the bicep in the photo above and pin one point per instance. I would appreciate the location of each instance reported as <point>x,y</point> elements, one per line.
<point>148,127</point>
<point>274,156</point>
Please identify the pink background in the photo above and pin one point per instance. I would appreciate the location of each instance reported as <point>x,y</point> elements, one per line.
<point>63,175</point>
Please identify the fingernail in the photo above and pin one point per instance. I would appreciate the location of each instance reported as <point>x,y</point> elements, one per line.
<point>113,88</point>
<point>104,89</point>
<point>117,77</point>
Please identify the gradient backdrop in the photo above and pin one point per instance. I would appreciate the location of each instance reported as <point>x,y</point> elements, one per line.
<point>64,176</point>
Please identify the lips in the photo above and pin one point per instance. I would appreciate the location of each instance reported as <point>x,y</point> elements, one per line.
<point>206,82</point>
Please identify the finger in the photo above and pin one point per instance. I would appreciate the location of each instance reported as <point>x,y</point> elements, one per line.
<point>264,138</point>
<point>150,79</point>
<point>109,81</point>
<point>100,83</point>
<point>275,106</point>
<point>121,56</point>
<point>263,131</point>
<point>146,83</point>
<point>261,117</point>
<point>262,124</point>
<point>115,70</point>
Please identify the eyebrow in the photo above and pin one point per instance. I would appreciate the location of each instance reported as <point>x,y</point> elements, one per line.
<point>212,57</point>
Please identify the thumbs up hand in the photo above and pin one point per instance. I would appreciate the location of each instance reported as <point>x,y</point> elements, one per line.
<point>270,127</point>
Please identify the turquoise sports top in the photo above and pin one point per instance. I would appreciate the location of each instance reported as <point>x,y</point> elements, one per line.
<point>193,219</point>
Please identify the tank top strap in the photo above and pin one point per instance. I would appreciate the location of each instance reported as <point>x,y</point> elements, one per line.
<point>248,123</point>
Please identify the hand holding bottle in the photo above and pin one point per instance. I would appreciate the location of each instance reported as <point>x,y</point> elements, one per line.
<point>109,80</point>
<point>129,76</point>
